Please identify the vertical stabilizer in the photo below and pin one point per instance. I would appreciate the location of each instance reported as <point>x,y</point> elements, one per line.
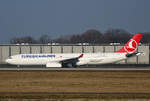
<point>132,44</point>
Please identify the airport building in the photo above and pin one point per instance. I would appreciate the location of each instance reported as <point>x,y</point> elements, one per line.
<point>9,50</point>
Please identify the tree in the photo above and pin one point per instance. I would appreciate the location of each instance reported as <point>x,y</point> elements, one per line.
<point>146,37</point>
<point>65,39</point>
<point>116,35</point>
<point>91,36</point>
<point>27,39</point>
<point>44,39</point>
<point>76,38</point>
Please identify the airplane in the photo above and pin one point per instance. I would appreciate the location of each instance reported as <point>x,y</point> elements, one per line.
<point>77,59</point>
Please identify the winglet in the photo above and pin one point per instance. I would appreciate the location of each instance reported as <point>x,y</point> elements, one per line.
<point>80,56</point>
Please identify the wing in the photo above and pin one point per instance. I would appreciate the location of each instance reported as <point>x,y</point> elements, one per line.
<point>72,61</point>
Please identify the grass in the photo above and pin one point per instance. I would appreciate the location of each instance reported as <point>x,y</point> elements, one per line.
<point>68,82</point>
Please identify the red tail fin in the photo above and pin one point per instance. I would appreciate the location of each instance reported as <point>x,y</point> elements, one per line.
<point>131,46</point>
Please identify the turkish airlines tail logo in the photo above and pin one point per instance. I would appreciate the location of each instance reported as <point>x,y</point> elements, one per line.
<point>132,45</point>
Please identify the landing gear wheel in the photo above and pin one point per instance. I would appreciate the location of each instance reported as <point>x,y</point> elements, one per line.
<point>74,65</point>
<point>64,65</point>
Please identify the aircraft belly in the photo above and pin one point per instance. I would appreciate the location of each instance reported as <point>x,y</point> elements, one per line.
<point>95,61</point>
<point>105,60</point>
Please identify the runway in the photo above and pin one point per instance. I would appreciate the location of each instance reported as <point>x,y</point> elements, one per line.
<point>76,69</point>
<point>113,67</point>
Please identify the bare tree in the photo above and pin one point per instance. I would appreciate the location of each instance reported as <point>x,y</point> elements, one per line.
<point>116,35</point>
<point>92,36</point>
<point>65,39</point>
<point>27,39</point>
<point>146,37</point>
<point>44,39</point>
<point>76,38</point>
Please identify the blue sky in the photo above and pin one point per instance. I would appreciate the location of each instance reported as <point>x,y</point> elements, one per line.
<point>60,17</point>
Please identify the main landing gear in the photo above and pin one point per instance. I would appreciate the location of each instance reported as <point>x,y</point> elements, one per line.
<point>69,65</point>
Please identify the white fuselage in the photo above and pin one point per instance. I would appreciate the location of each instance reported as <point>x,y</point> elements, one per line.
<point>44,59</point>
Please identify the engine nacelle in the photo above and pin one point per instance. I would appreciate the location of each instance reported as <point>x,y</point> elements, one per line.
<point>53,64</point>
